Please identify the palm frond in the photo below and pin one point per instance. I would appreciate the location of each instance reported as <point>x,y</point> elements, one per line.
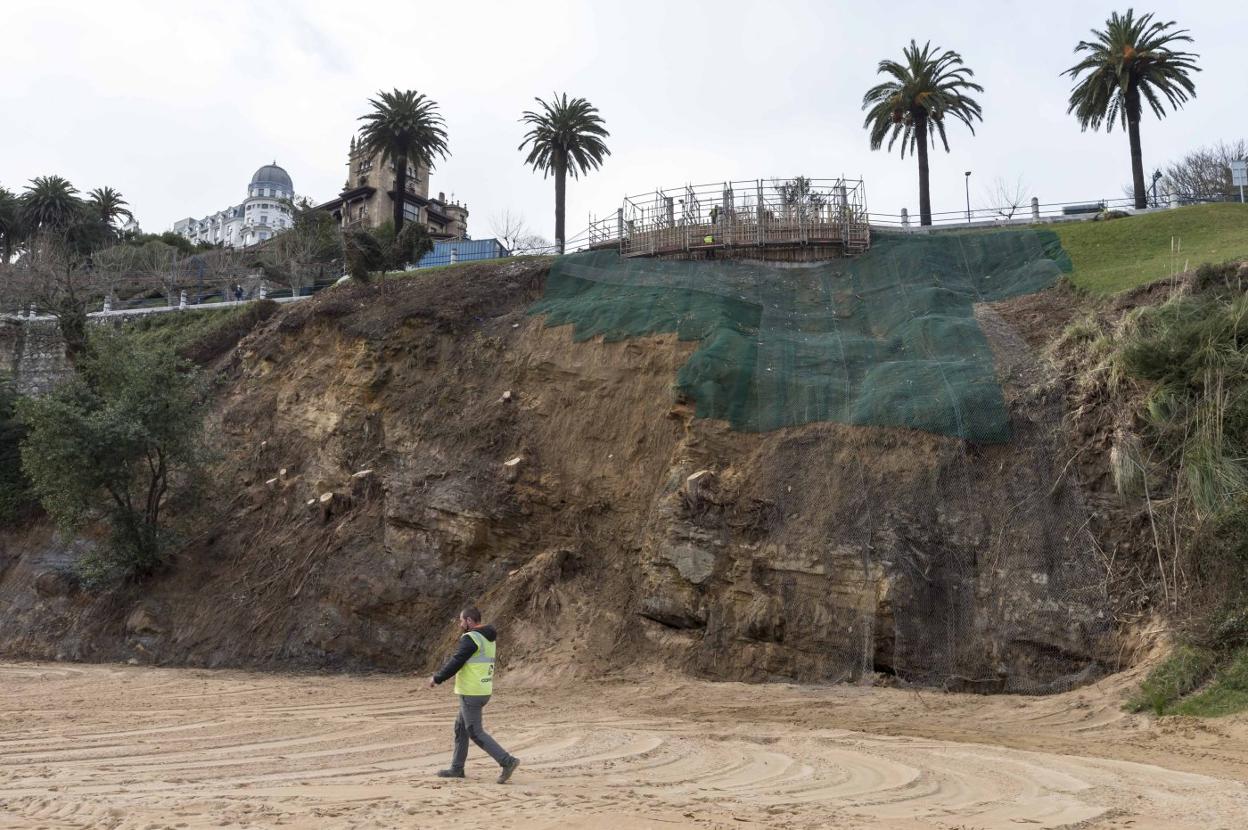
<point>928,86</point>
<point>1128,60</point>
<point>564,131</point>
<point>404,125</point>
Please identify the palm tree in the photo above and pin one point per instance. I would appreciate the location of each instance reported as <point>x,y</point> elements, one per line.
<point>1130,59</point>
<point>566,136</point>
<point>108,205</point>
<point>10,224</point>
<point>403,127</point>
<point>51,203</point>
<point>922,92</point>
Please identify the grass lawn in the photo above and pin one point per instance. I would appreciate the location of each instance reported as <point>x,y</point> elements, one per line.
<point>467,263</point>
<point>1123,253</point>
<point>1227,694</point>
<point>200,335</point>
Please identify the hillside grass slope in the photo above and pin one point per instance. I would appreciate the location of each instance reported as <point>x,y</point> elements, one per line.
<point>1136,250</point>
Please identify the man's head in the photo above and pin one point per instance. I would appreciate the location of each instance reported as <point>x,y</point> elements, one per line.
<point>469,618</point>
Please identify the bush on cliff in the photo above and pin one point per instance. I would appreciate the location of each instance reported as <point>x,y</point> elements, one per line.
<point>17,501</point>
<point>1190,355</point>
<point>115,443</point>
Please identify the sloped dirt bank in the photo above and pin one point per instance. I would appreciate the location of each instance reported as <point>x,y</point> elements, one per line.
<point>388,455</point>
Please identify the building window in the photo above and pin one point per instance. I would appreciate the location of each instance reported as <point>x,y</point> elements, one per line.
<point>411,212</point>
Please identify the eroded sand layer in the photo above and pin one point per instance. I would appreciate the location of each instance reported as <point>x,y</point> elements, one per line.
<point>108,746</point>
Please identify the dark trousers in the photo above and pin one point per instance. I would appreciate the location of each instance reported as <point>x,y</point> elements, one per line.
<point>468,725</point>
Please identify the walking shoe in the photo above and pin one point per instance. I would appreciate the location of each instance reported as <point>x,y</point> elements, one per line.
<point>450,773</point>
<point>508,769</point>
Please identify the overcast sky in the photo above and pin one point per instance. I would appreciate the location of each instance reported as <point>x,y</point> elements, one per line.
<point>176,104</point>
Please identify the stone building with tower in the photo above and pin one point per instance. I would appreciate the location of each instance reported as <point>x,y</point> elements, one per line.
<point>367,199</point>
<point>263,214</point>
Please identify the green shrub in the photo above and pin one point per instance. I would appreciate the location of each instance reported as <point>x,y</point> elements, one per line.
<point>1191,353</point>
<point>113,444</point>
<point>200,336</point>
<point>223,334</point>
<point>1225,695</point>
<point>17,500</point>
<point>1179,674</point>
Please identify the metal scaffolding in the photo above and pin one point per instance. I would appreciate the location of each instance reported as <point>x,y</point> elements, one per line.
<point>777,214</point>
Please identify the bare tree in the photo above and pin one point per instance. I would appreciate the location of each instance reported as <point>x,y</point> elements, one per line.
<point>509,228</point>
<point>530,244</point>
<point>1204,173</point>
<point>1006,198</point>
<point>297,256</point>
<point>57,278</point>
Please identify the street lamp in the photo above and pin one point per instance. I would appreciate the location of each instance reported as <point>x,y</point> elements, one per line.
<point>968,196</point>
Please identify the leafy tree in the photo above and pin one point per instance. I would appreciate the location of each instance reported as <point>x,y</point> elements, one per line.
<point>404,127</point>
<point>566,136</point>
<point>11,230</point>
<point>106,204</point>
<point>175,240</point>
<point>60,234</point>
<point>50,203</point>
<point>1128,62</point>
<point>800,194</point>
<point>381,250</point>
<point>929,87</point>
<point>114,443</point>
<point>16,499</point>
<point>296,255</point>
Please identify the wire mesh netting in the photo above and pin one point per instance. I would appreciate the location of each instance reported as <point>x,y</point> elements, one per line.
<point>884,339</point>
<point>935,561</point>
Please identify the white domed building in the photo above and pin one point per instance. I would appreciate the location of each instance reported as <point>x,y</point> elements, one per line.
<point>264,213</point>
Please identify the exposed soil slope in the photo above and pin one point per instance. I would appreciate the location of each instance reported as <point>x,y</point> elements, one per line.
<point>386,456</point>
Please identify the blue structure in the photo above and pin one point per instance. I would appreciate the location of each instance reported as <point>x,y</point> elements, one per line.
<point>451,251</point>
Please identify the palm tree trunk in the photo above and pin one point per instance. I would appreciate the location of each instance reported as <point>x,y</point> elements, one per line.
<point>925,195</point>
<point>1137,155</point>
<point>561,190</point>
<point>400,193</point>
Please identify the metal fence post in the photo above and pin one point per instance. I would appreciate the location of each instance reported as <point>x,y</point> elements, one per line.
<point>762,212</point>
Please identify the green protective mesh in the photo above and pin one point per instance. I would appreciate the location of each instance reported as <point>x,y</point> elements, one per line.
<point>886,339</point>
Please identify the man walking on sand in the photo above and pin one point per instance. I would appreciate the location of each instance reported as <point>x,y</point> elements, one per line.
<point>472,666</point>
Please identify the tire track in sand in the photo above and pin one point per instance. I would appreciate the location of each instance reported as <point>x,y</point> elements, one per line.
<point>129,747</point>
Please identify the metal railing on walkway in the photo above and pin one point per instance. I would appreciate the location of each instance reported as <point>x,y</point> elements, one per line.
<point>756,213</point>
<point>1032,211</point>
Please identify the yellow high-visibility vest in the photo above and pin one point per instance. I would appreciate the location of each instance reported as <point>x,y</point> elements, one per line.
<point>476,677</point>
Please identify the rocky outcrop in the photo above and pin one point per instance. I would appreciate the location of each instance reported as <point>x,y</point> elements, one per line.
<point>388,459</point>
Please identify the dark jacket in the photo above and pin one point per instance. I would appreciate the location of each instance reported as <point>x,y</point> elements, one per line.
<point>467,648</point>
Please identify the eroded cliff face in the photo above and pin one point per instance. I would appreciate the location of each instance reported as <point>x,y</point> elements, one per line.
<point>386,458</point>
